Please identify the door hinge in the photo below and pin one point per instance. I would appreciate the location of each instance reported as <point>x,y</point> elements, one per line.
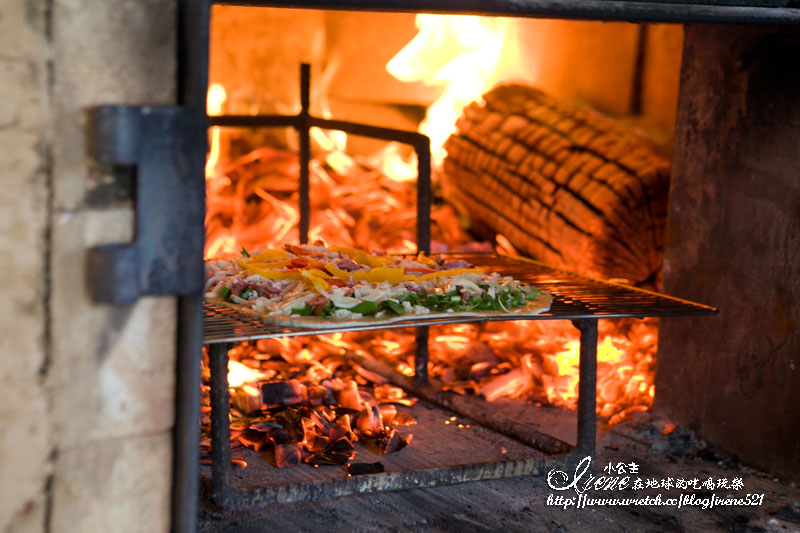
<point>166,145</point>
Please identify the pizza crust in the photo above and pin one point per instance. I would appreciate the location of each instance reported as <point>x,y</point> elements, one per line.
<point>534,307</point>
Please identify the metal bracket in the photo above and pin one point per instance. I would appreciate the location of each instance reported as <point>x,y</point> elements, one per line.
<point>167,147</point>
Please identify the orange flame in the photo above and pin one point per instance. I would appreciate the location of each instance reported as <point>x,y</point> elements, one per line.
<point>239,374</point>
<point>466,55</point>
<point>215,100</point>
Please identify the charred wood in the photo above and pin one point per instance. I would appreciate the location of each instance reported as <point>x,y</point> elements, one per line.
<point>564,184</point>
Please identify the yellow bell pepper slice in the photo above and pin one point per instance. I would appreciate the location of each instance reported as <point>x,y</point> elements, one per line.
<point>272,265</point>
<point>275,274</point>
<point>451,272</point>
<point>338,272</point>
<point>313,281</point>
<point>269,255</point>
<point>319,273</point>
<point>378,274</point>
<point>425,260</point>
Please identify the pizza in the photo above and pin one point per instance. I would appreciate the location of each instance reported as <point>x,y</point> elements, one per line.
<point>332,287</point>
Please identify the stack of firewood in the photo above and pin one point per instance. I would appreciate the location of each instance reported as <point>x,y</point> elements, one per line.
<point>563,183</point>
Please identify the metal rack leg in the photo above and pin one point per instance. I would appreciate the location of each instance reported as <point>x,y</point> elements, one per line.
<point>220,424</point>
<point>303,126</point>
<point>421,356</point>
<point>424,194</point>
<point>587,387</point>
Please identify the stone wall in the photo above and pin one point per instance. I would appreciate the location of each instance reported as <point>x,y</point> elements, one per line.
<point>733,241</point>
<point>87,390</point>
<point>24,181</point>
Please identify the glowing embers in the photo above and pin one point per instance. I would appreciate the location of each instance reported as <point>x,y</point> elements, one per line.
<point>310,404</point>
<point>535,362</point>
<point>531,361</point>
<point>538,361</point>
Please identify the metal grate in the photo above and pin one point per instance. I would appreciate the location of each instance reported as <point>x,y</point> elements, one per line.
<point>574,297</point>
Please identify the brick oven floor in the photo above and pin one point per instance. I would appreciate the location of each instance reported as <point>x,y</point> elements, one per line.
<point>521,504</point>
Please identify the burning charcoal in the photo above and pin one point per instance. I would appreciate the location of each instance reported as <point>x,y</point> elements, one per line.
<point>334,385</point>
<point>390,394</point>
<point>369,420</point>
<point>328,459</point>
<point>264,427</point>
<point>370,376</point>
<point>342,429</point>
<point>315,434</point>
<point>337,432</point>
<point>278,393</point>
<point>255,440</point>
<point>323,418</point>
<point>386,393</point>
<point>461,387</point>
<point>390,441</point>
<point>515,382</point>
<point>280,436</point>
<point>448,375</point>
<point>292,422</point>
<point>287,455</point>
<point>247,399</point>
<point>239,425</point>
<point>342,446</point>
<point>317,444</point>
<point>478,352</point>
<point>478,370</point>
<point>268,347</point>
<point>318,395</point>
<point>403,419</point>
<point>310,429</point>
<point>349,397</point>
<point>388,412</point>
<point>665,426</point>
<point>360,469</point>
<point>337,453</point>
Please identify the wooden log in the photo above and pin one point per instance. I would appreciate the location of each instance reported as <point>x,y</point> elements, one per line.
<point>563,183</point>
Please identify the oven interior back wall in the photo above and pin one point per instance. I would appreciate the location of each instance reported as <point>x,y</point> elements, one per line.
<point>618,68</point>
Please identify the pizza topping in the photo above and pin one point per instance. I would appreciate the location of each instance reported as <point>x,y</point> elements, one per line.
<point>458,263</point>
<point>347,265</point>
<point>347,283</point>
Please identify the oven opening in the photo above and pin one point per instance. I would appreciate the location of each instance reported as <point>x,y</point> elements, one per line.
<point>549,140</point>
